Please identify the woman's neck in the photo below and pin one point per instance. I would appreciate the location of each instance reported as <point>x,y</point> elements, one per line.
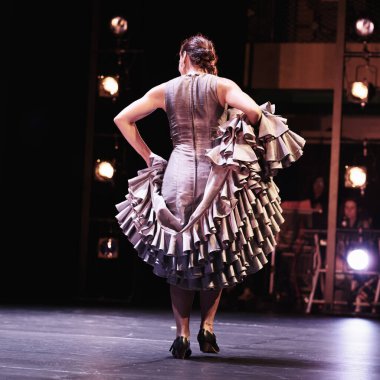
<point>194,70</point>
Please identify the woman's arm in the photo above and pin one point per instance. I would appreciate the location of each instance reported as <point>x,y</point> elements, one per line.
<point>229,92</point>
<point>126,119</point>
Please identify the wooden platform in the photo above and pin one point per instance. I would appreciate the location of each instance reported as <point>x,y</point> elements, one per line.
<point>45,342</point>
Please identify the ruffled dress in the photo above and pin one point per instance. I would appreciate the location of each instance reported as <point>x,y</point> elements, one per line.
<point>235,214</point>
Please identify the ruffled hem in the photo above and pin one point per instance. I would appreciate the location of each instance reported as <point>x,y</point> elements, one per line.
<point>233,229</point>
<point>282,146</point>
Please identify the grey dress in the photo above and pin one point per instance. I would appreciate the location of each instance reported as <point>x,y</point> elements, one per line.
<point>209,216</point>
<point>193,112</point>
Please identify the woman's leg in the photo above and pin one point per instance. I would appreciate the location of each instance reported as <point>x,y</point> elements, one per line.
<point>182,302</point>
<point>209,301</point>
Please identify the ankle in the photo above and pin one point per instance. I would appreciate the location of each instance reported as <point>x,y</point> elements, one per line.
<point>184,333</point>
<point>207,326</point>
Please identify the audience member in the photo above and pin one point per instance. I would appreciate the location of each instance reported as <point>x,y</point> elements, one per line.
<point>318,201</point>
<point>352,216</point>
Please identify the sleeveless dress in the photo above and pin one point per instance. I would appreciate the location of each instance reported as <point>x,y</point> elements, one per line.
<point>209,216</point>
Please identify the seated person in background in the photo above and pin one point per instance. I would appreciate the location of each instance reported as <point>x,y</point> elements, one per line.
<point>318,201</point>
<point>352,217</point>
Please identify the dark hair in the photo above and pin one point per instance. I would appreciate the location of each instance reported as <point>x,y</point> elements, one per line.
<point>351,199</point>
<point>201,52</point>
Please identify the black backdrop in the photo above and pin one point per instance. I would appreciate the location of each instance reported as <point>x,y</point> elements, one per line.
<point>48,46</point>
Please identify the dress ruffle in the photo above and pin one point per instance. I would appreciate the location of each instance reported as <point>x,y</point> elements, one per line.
<point>233,229</point>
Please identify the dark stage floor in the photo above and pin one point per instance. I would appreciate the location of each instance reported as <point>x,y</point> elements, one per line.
<point>122,343</point>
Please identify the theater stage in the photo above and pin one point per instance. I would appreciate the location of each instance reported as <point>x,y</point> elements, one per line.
<point>71,342</point>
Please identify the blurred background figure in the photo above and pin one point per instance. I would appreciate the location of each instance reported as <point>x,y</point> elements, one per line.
<point>354,219</point>
<point>319,203</point>
<point>353,216</point>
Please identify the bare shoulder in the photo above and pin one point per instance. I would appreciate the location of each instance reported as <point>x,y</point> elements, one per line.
<point>157,91</point>
<point>157,95</point>
<point>225,83</point>
<point>224,87</point>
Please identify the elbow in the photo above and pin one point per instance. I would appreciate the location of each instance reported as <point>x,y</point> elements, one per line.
<point>117,120</point>
<point>122,121</point>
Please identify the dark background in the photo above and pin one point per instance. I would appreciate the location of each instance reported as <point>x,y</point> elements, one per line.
<point>48,59</point>
<point>47,80</point>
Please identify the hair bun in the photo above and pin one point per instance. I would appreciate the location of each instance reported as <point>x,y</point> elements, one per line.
<point>201,52</point>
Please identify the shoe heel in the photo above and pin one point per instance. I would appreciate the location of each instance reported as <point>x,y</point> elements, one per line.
<point>181,348</point>
<point>207,342</point>
<point>208,348</point>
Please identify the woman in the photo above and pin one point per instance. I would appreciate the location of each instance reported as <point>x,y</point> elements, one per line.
<point>206,218</point>
<point>318,201</point>
<point>352,218</point>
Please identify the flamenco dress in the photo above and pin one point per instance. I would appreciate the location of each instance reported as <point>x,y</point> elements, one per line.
<point>208,217</point>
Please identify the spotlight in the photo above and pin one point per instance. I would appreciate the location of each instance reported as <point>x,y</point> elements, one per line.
<point>362,91</point>
<point>358,259</point>
<point>359,90</point>
<point>119,25</point>
<point>108,248</point>
<point>104,171</point>
<point>355,177</point>
<point>364,27</point>
<point>108,86</point>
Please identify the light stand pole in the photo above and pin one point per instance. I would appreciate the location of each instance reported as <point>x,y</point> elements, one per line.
<point>335,156</point>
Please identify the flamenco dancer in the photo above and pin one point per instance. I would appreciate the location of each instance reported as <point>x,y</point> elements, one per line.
<point>206,218</point>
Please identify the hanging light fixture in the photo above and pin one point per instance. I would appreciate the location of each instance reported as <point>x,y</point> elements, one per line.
<point>119,25</point>
<point>359,90</point>
<point>363,88</point>
<point>104,170</point>
<point>362,91</point>
<point>108,86</point>
<point>108,248</point>
<point>356,177</point>
<point>364,27</point>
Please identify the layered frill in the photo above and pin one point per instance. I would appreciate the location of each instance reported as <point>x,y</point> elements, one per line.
<point>233,229</point>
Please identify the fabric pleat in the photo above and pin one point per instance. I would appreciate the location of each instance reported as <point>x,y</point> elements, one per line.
<point>233,229</point>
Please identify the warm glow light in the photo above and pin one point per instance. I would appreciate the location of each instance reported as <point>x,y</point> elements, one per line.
<point>359,90</point>
<point>118,25</point>
<point>364,27</point>
<point>104,170</point>
<point>110,85</point>
<point>358,259</point>
<point>108,248</point>
<point>356,176</point>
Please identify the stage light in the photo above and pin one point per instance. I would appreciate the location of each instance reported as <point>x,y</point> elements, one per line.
<point>355,177</point>
<point>359,90</point>
<point>119,25</point>
<point>108,248</point>
<point>358,259</point>
<point>104,171</point>
<point>364,27</point>
<point>108,86</point>
<point>362,91</point>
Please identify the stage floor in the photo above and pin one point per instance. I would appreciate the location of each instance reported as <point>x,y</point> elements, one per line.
<point>45,342</point>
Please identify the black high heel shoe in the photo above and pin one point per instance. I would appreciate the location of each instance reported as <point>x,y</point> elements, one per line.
<point>181,348</point>
<point>207,342</point>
